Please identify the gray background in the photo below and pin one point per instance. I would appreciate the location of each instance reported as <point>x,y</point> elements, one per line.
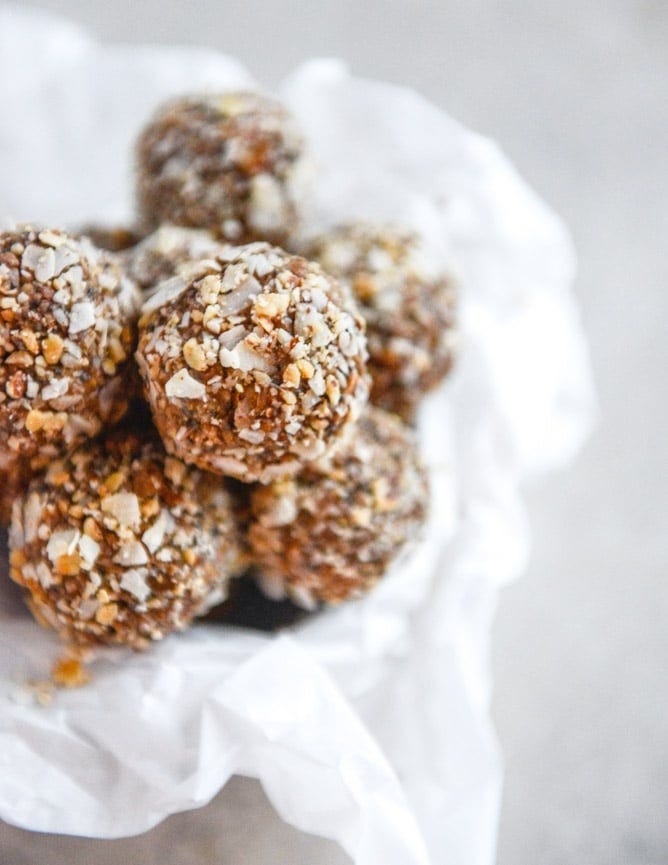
<point>577,94</point>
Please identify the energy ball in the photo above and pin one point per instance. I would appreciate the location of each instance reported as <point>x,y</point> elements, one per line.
<point>232,163</point>
<point>254,366</point>
<point>330,533</point>
<point>121,544</point>
<point>67,332</point>
<point>167,251</point>
<point>409,309</point>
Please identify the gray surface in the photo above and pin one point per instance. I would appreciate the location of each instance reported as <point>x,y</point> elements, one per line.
<point>239,827</point>
<point>576,94</point>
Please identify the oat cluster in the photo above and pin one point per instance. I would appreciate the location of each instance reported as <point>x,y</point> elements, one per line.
<point>67,331</point>
<point>230,163</point>
<point>253,367</point>
<point>330,533</point>
<point>121,543</point>
<point>409,308</point>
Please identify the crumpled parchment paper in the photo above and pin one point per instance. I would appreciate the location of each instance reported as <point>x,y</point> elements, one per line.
<point>368,724</point>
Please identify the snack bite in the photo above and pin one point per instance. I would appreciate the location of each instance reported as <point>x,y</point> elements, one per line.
<point>232,163</point>
<point>409,308</point>
<point>330,533</point>
<point>254,366</point>
<point>120,543</point>
<point>67,332</point>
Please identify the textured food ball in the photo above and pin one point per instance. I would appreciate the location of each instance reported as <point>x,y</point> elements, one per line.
<point>230,163</point>
<point>120,543</point>
<point>409,309</point>
<point>166,252</point>
<point>67,332</point>
<point>254,366</point>
<point>331,532</point>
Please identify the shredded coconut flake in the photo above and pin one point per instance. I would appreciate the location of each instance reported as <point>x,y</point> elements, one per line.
<point>131,553</point>
<point>90,550</point>
<point>62,543</point>
<point>183,386</point>
<point>32,513</point>
<point>124,507</point>
<point>166,291</point>
<point>44,575</point>
<point>82,316</point>
<point>134,581</point>
<point>56,388</point>
<point>155,534</point>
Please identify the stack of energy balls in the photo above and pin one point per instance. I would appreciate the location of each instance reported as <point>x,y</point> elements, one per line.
<point>190,400</point>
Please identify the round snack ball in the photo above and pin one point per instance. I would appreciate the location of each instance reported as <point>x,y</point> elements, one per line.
<point>166,252</point>
<point>254,366</point>
<point>330,533</point>
<point>67,331</point>
<point>408,306</point>
<point>120,543</point>
<point>232,163</point>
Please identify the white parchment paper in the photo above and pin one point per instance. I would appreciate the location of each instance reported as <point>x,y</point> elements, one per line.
<point>369,724</point>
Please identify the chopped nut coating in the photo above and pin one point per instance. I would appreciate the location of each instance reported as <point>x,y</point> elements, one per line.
<point>66,339</point>
<point>230,163</point>
<point>253,366</point>
<point>331,532</point>
<point>120,543</point>
<point>408,305</point>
